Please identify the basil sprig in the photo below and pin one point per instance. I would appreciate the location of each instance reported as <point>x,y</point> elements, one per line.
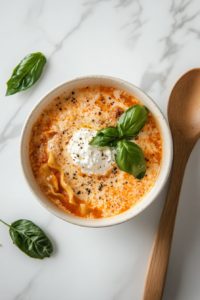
<point>132,121</point>
<point>106,137</point>
<point>130,157</point>
<point>30,239</point>
<point>26,73</point>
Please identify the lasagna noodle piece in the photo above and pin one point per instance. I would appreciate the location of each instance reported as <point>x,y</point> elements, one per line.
<point>53,180</point>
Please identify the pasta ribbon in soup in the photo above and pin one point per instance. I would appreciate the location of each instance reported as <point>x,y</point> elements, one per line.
<point>84,209</point>
<point>57,195</point>
<point>50,134</point>
<point>53,180</point>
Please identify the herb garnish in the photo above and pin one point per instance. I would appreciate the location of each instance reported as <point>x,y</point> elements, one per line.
<point>105,137</point>
<point>26,73</point>
<point>30,239</point>
<point>130,157</point>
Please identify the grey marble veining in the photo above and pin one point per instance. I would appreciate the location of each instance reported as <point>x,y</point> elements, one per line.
<point>27,290</point>
<point>83,17</point>
<point>149,43</point>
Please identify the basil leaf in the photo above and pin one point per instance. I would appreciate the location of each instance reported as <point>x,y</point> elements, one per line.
<point>102,140</point>
<point>109,131</point>
<point>132,121</point>
<point>105,137</point>
<point>30,239</point>
<point>130,159</point>
<point>26,73</point>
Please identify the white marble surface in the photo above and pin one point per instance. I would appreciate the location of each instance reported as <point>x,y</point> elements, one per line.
<point>149,43</point>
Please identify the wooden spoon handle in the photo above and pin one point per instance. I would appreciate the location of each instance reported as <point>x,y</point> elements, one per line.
<point>158,261</point>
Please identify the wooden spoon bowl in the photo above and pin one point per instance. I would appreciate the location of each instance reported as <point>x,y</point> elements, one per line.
<point>184,105</point>
<point>184,120</point>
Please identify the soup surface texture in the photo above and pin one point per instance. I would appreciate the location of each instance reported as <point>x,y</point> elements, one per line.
<point>57,169</point>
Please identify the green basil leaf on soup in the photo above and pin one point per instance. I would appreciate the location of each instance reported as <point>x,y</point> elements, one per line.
<point>26,73</point>
<point>30,239</point>
<point>109,131</point>
<point>130,159</point>
<point>132,121</point>
<point>102,140</point>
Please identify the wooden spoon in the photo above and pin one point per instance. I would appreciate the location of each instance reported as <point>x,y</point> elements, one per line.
<point>184,120</point>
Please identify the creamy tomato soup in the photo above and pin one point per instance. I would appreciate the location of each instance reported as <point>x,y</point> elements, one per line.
<point>84,180</point>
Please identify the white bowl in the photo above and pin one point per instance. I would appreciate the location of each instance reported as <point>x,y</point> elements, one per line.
<point>137,93</point>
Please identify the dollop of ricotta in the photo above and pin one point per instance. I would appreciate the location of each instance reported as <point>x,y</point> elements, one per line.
<point>90,159</point>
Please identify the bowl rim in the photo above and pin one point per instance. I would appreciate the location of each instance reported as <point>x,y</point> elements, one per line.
<point>91,222</point>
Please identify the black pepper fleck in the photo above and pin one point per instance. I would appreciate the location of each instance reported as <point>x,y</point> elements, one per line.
<point>100,187</point>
